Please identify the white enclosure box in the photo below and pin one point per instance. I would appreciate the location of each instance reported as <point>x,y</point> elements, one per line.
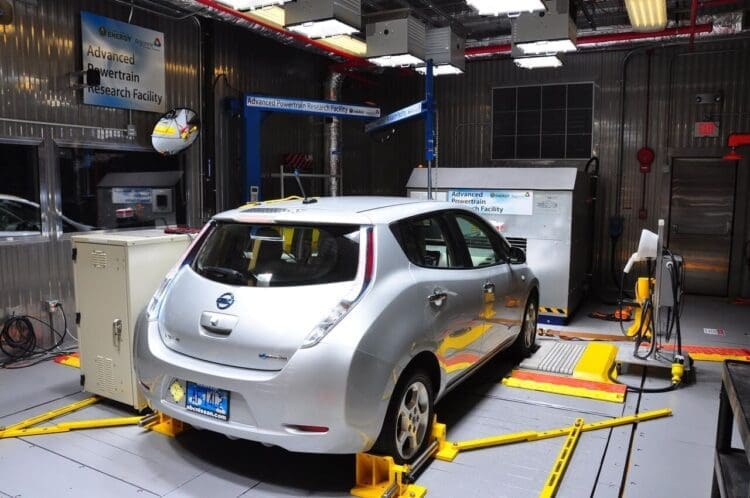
<point>545,211</point>
<point>115,275</point>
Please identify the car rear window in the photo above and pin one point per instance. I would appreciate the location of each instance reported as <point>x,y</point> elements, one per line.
<point>279,255</point>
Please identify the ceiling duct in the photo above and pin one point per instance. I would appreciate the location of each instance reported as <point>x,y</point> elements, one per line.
<point>396,42</point>
<point>546,32</point>
<point>324,18</point>
<point>446,49</point>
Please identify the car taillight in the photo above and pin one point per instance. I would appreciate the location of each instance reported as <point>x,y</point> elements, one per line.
<point>345,305</point>
<point>154,305</point>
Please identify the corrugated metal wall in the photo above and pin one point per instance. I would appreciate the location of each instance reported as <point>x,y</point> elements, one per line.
<point>266,67</point>
<point>677,74</point>
<point>40,48</point>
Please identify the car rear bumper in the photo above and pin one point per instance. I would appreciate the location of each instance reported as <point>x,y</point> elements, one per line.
<point>311,390</point>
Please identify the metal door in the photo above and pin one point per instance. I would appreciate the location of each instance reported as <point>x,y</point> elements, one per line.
<point>701,217</point>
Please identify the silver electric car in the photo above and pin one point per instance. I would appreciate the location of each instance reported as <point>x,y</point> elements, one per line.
<point>332,326</point>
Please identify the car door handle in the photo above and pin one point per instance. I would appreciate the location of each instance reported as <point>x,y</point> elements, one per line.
<point>438,298</point>
<point>489,288</point>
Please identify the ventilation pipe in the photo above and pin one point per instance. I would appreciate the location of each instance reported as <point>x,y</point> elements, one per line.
<point>333,135</point>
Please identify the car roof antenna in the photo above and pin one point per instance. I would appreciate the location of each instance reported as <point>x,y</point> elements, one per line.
<point>306,199</point>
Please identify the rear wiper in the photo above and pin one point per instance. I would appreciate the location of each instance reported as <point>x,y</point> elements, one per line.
<point>228,274</point>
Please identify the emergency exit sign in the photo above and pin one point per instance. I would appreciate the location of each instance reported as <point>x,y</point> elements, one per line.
<point>706,129</point>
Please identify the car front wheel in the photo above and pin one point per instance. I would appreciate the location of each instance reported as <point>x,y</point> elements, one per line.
<point>526,341</point>
<point>408,423</point>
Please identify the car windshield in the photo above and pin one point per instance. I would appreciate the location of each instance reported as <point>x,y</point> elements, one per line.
<point>279,255</point>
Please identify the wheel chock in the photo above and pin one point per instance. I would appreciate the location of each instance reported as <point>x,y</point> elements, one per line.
<point>379,476</point>
<point>163,424</point>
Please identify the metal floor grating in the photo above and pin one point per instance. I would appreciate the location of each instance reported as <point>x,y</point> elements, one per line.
<point>555,357</point>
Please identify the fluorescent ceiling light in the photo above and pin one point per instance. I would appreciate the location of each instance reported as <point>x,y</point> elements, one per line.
<point>647,15</point>
<point>441,70</point>
<point>547,46</point>
<point>396,60</point>
<point>497,7</point>
<point>323,29</point>
<point>538,62</point>
<point>348,43</point>
<point>274,15</point>
<point>251,4</point>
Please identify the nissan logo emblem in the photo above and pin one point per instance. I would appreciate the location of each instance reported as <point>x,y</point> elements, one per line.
<point>225,301</point>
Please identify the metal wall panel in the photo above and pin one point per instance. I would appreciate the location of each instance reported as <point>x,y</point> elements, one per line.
<point>677,73</point>
<point>43,45</point>
<point>247,63</point>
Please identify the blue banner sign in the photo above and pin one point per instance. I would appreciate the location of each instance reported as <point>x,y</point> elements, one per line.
<point>316,107</point>
<point>130,60</point>
<point>409,112</point>
<point>489,202</point>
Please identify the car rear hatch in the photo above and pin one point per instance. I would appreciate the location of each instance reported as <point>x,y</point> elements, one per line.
<point>254,292</point>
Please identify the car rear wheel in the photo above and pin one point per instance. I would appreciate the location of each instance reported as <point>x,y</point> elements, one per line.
<point>408,423</point>
<point>526,341</point>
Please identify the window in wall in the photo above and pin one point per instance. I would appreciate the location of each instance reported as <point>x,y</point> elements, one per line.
<point>120,189</point>
<point>19,191</point>
<point>542,122</point>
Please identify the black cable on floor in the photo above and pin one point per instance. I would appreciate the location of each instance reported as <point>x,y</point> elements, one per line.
<point>18,340</point>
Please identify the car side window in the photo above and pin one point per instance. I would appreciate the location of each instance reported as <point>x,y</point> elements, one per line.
<point>425,242</point>
<point>481,243</point>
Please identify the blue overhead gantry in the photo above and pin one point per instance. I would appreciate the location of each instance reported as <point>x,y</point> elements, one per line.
<point>425,109</point>
<point>257,108</point>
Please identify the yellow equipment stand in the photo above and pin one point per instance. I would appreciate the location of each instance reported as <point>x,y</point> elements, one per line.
<point>563,458</point>
<point>643,288</point>
<point>448,451</point>
<point>161,423</point>
<point>379,476</point>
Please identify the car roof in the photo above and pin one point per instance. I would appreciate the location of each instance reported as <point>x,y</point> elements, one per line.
<point>9,197</point>
<point>348,209</point>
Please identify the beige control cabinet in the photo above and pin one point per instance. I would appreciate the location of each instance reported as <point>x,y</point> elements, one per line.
<point>115,276</point>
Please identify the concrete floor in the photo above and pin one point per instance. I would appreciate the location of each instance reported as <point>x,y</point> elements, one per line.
<point>667,457</point>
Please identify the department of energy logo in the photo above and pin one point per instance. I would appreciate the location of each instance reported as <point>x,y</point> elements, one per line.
<point>117,35</point>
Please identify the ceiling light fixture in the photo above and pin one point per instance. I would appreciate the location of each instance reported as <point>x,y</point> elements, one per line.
<point>324,18</point>
<point>401,60</point>
<point>647,15</point>
<point>274,14</point>
<point>398,41</point>
<point>497,7</point>
<point>349,43</point>
<point>441,70</point>
<point>538,62</point>
<point>252,4</point>
<point>547,47</point>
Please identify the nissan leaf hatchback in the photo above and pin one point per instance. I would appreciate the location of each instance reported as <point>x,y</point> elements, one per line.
<point>333,326</point>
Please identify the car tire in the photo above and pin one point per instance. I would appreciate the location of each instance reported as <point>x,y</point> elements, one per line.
<point>525,343</point>
<point>408,422</point>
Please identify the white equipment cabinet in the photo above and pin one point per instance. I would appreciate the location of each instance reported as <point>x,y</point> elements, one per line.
<point>115,275</point>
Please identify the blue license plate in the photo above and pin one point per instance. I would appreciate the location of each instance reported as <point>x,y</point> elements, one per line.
<point>208,401</point>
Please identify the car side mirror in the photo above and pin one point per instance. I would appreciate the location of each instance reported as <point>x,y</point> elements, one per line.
<point>517,256</point>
